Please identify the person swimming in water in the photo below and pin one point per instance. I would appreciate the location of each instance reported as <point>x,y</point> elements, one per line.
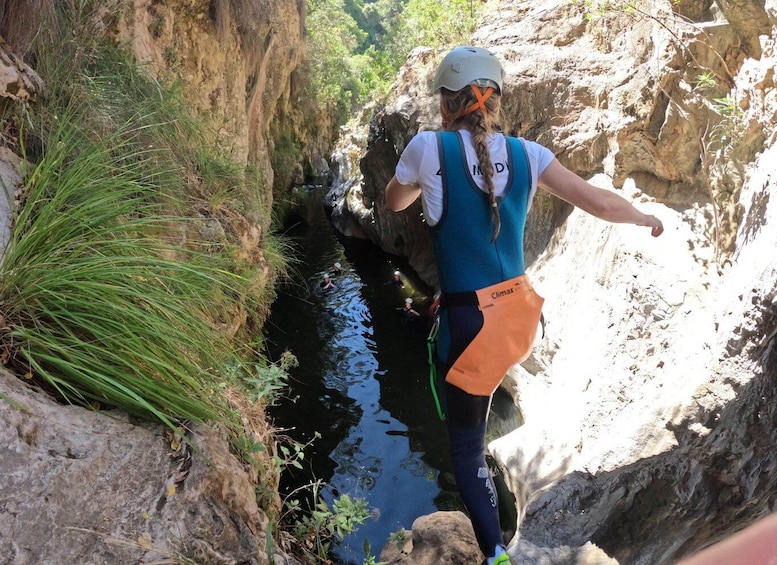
<point>327,284</point>
<point>407,311</point>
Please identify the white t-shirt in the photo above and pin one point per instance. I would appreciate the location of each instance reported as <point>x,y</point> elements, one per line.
<point>420,164</point>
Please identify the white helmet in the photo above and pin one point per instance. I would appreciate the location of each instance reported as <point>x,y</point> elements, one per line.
<point>408,300</point>
<point>468,65</point>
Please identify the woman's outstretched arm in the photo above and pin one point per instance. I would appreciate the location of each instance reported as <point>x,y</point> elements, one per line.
<point>755,545</point>
<point>604,204</point>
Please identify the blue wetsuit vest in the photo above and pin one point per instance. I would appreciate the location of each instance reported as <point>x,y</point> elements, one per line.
<point>467,259</point>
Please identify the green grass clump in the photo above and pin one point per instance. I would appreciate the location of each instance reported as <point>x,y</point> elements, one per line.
<point>135,271</point>
<point>99,303</point>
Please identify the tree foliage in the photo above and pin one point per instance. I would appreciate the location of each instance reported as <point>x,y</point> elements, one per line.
<point>446,23</point>
<point>333,37</point>
<point>356,47</point>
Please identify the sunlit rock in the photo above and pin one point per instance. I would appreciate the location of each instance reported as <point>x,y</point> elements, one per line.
<point>647,420</point>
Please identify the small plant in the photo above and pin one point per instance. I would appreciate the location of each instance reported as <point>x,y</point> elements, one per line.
<point>170,55</point>
<point>246,448</point>
<point>598,8</point>
<point>156,27</point>
<point>323,525</point>
<point>706,81</point>
<point>399,537</point>
<point>721,134</point>
<point>727,107</point>
<point>269,379</point>
<point>293,457</point>
<point>370,559</point>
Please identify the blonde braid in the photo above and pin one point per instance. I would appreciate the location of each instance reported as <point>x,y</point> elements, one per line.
<point>486,168</point>
<point>479,124</point>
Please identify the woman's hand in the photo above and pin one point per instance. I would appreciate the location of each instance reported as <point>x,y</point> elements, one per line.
<point>655,225</point>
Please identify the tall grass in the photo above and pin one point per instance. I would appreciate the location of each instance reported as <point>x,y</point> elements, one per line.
<point>142,262</point>
<point>97,303</point>
<point>141,255</point>
<point>112,293</point>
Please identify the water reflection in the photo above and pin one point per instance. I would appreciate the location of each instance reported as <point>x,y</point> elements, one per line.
<point>362,382</point>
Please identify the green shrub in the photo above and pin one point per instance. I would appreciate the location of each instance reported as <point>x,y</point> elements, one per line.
<point>99,302</point>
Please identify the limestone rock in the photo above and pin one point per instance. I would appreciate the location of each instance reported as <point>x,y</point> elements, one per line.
<point>95,487</point>
<point>442,537</point>
<point>10,175</point>
<point>17,80</point>
<point>235,60</point>
<point>20,84</point>
<point>648,427</point>
<point>447,538</point>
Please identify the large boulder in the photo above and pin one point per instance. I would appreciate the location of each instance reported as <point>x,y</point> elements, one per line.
<point>82,486</point>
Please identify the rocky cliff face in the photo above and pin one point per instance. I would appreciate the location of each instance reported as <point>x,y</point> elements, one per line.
<point>235,60</point>
<point>651,98</point>
<point>239,62</point>
<point>648,421</point>
<point>81,486</point>
<point>85,487</point>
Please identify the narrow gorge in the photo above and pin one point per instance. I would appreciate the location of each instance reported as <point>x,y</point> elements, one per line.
<point>648,408</point>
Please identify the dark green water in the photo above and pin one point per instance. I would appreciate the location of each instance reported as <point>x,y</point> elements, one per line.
<point>362,383</point>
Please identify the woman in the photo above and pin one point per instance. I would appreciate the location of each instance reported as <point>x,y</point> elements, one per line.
<point>477,186</point>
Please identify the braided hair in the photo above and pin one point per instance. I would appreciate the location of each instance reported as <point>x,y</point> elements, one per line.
<point>464,109</point>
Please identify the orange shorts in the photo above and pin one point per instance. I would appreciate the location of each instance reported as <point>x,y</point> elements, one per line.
<point>511,313</point>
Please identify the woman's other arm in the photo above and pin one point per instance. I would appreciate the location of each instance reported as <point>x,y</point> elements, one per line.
<point>400,196</point>
<point>755,545</point>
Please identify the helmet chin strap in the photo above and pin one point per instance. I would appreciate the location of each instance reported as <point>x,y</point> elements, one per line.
<point>479,105</point>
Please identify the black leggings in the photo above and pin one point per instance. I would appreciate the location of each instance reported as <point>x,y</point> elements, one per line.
<point>466,421</point>
<point>466,417</point>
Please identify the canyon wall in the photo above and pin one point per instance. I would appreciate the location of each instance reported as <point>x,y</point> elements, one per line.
<point>649,404</point>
